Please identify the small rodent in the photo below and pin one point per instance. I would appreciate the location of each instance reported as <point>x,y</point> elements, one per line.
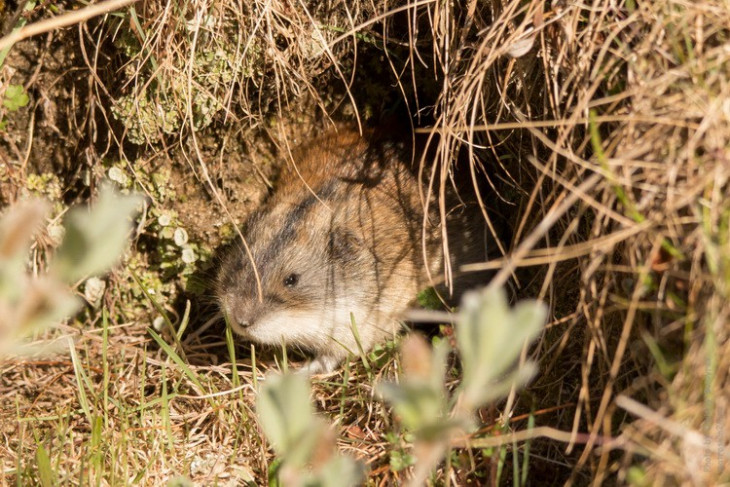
<point>341,238</point>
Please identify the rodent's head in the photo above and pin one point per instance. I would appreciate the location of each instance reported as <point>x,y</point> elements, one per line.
<point>307,276</point>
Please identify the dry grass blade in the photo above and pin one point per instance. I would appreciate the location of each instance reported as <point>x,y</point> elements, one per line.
<point>71,18</point>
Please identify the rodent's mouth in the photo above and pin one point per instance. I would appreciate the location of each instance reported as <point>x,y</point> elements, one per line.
<point>244,331</point>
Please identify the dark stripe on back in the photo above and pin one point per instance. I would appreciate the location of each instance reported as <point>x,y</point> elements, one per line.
<point>290,225</point>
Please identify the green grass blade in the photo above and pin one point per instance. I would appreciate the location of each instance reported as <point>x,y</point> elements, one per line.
<point>185,368</point>
<point>81,382</point>
<point>46,475</point>
<point>161,311</point>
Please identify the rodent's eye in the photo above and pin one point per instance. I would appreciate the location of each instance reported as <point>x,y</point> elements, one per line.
<point>291,280</point>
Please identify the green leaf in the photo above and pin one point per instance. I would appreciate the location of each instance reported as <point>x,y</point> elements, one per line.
<point>400,460</point>
<point>341,471</point>
<point>417,405</point>
<point>15,97</point>
<point>95,239</point>
<point>46,476</point>
<point>420,400</point>
<point>304,442</point>
<point>286,415</point>
<point>490,337</point>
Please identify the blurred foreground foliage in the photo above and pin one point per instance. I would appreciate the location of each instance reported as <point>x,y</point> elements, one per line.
<point>490,337</point>
<point>92,242</point>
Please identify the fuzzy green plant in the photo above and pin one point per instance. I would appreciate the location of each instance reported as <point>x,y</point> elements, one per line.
<point>13,100</point>
<point>490,337</point>
<point>92,242</point>
<point>304,443</point>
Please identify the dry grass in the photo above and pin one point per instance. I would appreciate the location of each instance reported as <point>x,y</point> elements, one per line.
<point>598,136</point>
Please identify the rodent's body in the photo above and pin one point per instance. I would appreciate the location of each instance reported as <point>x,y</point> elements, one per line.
<point>341,236</point>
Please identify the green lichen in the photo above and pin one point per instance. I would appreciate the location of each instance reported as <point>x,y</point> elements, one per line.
<point>128,43</point>
<point>48,186</point>
<point>139,177</point>
<point>146,119</point>
<point>227,232</point>
<point>160,108</point>
<point>177,256</point>
<point>429,299</point>
<point>45,184</point>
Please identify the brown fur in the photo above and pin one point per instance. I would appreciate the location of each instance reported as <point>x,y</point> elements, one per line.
<point>348,223</point>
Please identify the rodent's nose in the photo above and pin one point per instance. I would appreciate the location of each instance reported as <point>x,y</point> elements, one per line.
<point>242,321</point>
<point>238,314</point>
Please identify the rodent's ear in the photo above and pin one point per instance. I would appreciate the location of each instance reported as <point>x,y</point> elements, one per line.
<point>343,246</point>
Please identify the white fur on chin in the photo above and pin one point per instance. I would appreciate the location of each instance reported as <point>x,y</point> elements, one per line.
<point>313,330</point>
<point>326,333</point>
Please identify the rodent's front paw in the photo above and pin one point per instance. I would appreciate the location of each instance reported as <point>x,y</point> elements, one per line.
<point>322,364</point>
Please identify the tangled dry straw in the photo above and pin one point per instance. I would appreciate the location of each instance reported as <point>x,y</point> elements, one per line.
<point>602,129</point>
